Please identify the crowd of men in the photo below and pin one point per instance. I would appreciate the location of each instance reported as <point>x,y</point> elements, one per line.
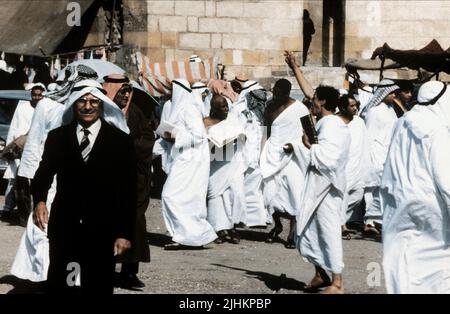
<point>234,155</point>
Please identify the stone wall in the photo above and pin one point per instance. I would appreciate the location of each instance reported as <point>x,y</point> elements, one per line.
<point>246,36</point>
<point>250,36</point>
<point>402,24</point>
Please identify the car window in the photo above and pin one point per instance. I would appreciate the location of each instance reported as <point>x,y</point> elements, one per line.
<point>7,108</point>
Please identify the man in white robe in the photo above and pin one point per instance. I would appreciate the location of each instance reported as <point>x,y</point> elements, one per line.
<point>184,193</point>
<point>226,195</point>
<point>20,125</point>
<point>319,219</point>
<point>358,157</point>
<point>380,122</point>
<point>415,196</point>
<point>251,115</point>
<point>284,158</point>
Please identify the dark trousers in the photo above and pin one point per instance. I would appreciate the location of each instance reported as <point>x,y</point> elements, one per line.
<point>96,266</point>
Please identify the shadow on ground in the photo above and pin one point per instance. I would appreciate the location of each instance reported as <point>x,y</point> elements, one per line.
<point>21,286</point>
<point>158,239</point>
<point>273,282</point>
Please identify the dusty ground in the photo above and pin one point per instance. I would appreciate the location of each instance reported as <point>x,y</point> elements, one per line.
<point>253,266</point>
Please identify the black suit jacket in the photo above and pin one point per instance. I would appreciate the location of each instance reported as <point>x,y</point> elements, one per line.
<point>95,201</point>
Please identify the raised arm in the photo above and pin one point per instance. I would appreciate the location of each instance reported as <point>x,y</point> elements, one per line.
<point>306,87</point>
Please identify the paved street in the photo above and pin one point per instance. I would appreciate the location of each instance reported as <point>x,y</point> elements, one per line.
<point>253,266</point>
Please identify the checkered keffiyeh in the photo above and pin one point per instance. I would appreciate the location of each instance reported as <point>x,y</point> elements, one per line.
<point>73,75</point>
<point>383,89</point>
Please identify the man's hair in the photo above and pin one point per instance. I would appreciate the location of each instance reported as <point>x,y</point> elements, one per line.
<point>284,86</point>
<point>236,86</point>
<point>330,95</point>
<point>344,101</point>
<point>404,85</point>
<point>216,98</point>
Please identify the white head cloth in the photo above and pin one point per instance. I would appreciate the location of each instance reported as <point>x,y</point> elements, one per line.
<point>181,95</point>
<point>441,107</point>
<point>30,86</point>
<point>197,90</point>
<point>247,87</point>
<point>111,112</point>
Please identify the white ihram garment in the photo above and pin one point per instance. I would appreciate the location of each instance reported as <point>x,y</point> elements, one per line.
<point>356,173</point>
<point>283,173</point>
<point>319,219</point>
<point>380,122</point>
<point>226,194</point>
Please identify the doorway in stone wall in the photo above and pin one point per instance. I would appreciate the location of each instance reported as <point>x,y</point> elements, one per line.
<point>333,32</point>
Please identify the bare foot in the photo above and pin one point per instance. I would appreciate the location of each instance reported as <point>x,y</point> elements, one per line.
<point>346,233</point>
<point>318,281</point>
<point>333,289</point>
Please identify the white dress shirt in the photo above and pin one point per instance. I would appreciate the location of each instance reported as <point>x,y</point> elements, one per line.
<point>93,132</point>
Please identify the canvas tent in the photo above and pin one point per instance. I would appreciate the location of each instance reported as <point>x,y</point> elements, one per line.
<point>28,25</point>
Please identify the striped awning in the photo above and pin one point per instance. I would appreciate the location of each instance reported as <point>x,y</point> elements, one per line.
<point>157,77</point>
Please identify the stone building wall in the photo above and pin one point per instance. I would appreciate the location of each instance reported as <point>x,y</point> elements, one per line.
<point>402,24</point>
<point>246,36</point>
<point>250,36</point>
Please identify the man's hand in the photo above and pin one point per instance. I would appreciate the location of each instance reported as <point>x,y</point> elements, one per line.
<point>40,215</point>
<point>306,141</point>
<point>288,148</point>
<point>290,59</point>
<point>120,246</point>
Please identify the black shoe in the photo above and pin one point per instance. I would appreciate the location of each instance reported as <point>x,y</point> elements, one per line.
<point>274,234</point>
<point>221,237</point>
<point>235,238</point>
<point>130,282</point>
<point>5,215</point>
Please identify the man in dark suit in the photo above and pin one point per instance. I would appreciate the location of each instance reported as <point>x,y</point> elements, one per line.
<point>92,215</point>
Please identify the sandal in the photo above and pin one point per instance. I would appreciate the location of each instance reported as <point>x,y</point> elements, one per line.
<point>290,244</point>
<point>274,234</point>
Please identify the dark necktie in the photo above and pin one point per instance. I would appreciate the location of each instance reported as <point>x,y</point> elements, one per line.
<point>85,145</point>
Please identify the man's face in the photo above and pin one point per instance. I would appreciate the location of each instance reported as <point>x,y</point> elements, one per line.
<point>123,95</point>
<point>220,108</point>
<point>88,109</point>
<point>36,95</point>
<point>405,96</point>
<point>278,96</point>
<point>317,106</point>
<point>352,107</point>
<point>205,94</point>
<point>389,98</point>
